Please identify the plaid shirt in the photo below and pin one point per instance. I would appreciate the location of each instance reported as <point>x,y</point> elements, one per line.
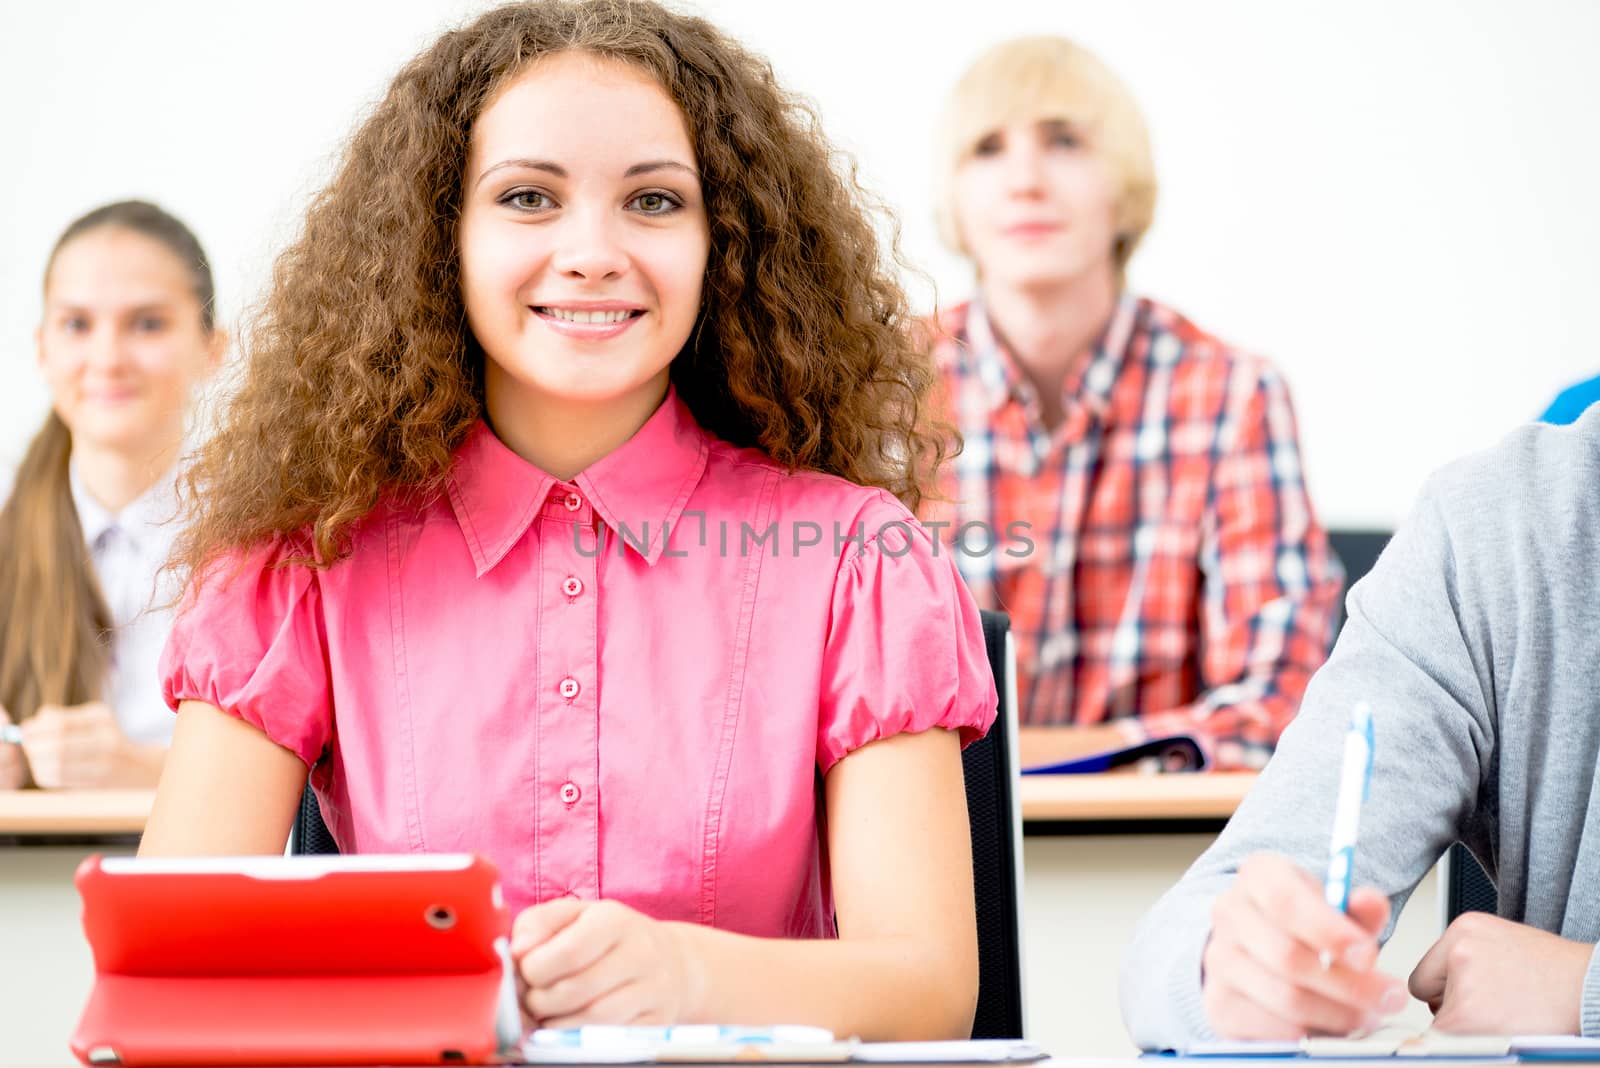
<point>1157,553</point>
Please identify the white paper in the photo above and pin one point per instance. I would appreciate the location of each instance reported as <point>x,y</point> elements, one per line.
<point>1560,1043</point>
<point>1225,1048</point>
<point>993,1049</point>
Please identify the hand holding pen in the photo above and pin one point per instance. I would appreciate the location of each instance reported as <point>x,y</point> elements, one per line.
<point>1284,963</point>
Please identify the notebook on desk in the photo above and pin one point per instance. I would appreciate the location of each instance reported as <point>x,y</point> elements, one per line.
<point>1403,1044</point>
<point>296,960</point>
<point>713,1044</point>
<point>1177,752</point>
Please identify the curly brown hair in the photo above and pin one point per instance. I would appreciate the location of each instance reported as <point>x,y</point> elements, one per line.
<point>362,377</point>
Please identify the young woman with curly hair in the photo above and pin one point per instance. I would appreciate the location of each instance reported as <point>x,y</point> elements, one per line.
<point>563,517</point>
<point>128,331</point>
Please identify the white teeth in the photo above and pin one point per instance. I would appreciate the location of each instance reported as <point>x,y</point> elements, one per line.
<point>571,316</point>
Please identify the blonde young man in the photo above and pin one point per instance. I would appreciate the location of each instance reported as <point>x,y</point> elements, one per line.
<point>1130,489</point>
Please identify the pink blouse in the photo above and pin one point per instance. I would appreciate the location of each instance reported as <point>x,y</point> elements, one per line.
<point>622,686</point>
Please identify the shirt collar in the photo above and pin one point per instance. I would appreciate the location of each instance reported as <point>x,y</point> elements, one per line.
<point>643,485</point>
<point>1091,384</point>
<point>153,509</point>
<point>1002,380</point>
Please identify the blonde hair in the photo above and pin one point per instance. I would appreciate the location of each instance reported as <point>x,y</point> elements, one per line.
<point>1031,79</point>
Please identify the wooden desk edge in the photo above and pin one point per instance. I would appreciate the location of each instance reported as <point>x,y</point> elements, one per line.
<point>74,812</point>
<point>1044,797</point>
<point>1134,797</point>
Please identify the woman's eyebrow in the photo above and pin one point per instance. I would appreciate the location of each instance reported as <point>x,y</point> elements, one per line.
<point>76,305</point>
<point>658,165</point>
<point>545,165</point>
<point>556,169</point>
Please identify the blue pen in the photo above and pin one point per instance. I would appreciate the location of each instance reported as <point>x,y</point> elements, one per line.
<point>1354,779</point>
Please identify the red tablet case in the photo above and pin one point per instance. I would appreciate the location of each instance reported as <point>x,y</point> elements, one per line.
<point>296,960</point>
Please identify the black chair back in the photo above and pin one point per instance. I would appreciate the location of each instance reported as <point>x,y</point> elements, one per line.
<point>995,819</point>
<point>992,809</point>
<point>1467,887</point>
<point>309,835</point>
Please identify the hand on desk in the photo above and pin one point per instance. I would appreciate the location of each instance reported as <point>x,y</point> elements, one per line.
<point>1487,975</point>
<point>599,962</point>
<point>82,747</point>
<point>13,769</point>
<point>1262,972</point>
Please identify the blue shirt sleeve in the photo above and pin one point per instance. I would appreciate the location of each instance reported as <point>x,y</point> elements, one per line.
<point>1571,402</point>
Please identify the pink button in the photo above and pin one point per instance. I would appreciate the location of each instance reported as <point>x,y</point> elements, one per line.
<point>570,793</point>
<point>572,587</point>
<point>569,688</point>
<point>572,501</point>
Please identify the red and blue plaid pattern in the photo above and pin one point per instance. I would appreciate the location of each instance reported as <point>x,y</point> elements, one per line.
<point>1177,580</point>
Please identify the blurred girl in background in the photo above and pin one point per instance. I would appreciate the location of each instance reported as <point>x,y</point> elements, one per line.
<point>129,329</point>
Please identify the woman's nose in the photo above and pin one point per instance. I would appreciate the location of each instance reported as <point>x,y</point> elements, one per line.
<point>590,247</point>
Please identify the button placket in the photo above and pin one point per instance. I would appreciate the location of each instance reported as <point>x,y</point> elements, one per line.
<point>568,692</point>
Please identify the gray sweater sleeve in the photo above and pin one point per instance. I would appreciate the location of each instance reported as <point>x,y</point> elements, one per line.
<point>1412,653</point>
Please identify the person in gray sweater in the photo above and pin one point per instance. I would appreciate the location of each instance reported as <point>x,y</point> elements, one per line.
<point>1474,640</point>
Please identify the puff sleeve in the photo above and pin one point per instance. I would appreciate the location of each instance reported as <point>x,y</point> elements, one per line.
<point>249,638</point>
<point>904,650</point>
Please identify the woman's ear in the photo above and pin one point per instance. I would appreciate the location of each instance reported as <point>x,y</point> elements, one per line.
<point>216,349</point>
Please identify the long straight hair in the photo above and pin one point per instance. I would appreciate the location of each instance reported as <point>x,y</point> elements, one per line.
<point>55,628</point>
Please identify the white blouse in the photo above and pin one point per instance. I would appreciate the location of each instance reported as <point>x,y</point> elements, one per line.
<point>129,550</point>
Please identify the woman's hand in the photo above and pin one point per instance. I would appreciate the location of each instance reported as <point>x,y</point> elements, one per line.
<point>601,962</point>
<point>13,769</point>
<point>82,747</point>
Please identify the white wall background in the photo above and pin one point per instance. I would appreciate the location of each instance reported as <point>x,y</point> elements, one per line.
<point>1394,201</point>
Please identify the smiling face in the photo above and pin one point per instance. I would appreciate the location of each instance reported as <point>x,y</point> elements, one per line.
<point>1035,206</point>
<point>123,342</point>
<point>583,241</point>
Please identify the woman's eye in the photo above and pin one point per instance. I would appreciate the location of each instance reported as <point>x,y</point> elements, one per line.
<point>527,200</point>
<point>654,203</point>
<point>988,146</point>
<point>1064,139</point>
<point>150,325</point>
<point>75,325</point>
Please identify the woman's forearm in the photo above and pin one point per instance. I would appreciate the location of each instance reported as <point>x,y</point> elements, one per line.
<point>891,988</point>
<point>138,767</point>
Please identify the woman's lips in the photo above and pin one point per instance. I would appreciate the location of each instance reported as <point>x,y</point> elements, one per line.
<point>588,331</point>
<point>1029,230</point>
<point>109,396</point>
